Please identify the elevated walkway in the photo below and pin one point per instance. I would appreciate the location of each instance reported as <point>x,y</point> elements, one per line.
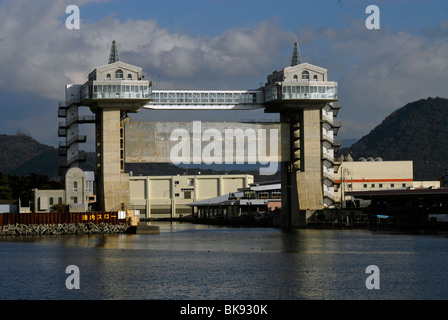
<point>206,100</point>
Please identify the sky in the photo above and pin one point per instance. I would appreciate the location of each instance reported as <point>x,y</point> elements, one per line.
<point>221,44</point>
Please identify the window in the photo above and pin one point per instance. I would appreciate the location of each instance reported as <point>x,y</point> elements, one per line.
<point>315,77</point>
<point>176,194</point>
<point>51,201</point>
<point>187,195</point>
<point>295,78</point>
<point>392,185</point>
<point>365,185</point>
<point>372,185</point>
<point>119,74</point>
<point>276,194</point>
<point>89,186</point>
<point>75,186</point>
<point>108,76</point>
<point>60,200</point>
<point>129,76</point>
<point>380,185</point>
<point>263,195</point>
<point>305,75</point>
<point>75,199</point>
<point>403,185</point>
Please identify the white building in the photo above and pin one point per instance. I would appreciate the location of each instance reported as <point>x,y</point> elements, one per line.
<point>169,196</point>
<point>78,194</point>
<point>372,174</point>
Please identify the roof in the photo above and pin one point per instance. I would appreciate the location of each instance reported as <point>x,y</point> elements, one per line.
<point>296,57</point>
<point>113,56</point>
<point>398,193</point>
<point>90,175</point>
<point>213,201</point>
<point>275,186</point>
<point>226,200</point>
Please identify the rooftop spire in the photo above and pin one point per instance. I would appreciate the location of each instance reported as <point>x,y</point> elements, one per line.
<point>113,56</point>
<point>296,57</point>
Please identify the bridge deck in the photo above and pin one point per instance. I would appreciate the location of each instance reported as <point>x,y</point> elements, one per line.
<point>205,99</point>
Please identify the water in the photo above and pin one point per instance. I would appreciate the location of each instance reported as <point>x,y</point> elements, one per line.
<point>187,261</point>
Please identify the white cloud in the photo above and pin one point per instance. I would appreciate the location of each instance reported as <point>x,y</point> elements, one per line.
<point>40,55</point>
<point>379,72</point>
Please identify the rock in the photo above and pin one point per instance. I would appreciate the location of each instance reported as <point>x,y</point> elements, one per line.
<point>61,229</point>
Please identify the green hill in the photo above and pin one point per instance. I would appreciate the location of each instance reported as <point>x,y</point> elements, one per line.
<point>22,155</point>
<point>418,132</point>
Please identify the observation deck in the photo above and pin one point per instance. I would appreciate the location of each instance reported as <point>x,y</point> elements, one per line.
<point>306,91</point>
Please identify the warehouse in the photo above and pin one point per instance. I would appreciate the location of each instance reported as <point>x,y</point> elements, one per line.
<point>168,196</point>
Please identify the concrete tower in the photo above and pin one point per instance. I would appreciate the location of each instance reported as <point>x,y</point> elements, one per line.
<point>304,97</point>
<point>111,92</point>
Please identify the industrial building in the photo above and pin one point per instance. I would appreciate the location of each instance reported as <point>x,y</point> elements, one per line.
<point>155,197</point>
<point>370,174</point>
<point>257,201</point>
<point>159,197</point>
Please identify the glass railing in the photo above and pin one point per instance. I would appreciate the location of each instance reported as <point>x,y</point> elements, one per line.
<point>121,95</point>
<point>294,96</point>
<point>302,92</point>
<point>203,97</point>
<point>116,90</point>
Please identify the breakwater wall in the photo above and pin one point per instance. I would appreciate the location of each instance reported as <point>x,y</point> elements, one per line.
<point>62,229</point>
<point>39,218</point>
<point>59,223</point>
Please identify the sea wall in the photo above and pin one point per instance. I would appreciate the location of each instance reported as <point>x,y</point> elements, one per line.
<point>62,229</point>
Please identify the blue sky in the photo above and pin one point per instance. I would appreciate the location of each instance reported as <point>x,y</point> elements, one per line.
<point>222,45</point>
<point>212,18</point>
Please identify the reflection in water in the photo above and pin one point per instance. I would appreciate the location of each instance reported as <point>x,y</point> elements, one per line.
<point>187,261</point>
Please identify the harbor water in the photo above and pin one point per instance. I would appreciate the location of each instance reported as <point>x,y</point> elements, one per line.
<point>190,261</point>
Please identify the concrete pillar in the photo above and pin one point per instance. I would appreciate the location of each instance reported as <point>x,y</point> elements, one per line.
<point>302,193</point>
<point>309,180</point>
<point>113,187</point>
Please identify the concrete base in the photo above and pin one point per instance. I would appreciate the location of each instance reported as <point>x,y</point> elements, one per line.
<point>298,219</point>
<point>142,229</point>
<point>301,174</point>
